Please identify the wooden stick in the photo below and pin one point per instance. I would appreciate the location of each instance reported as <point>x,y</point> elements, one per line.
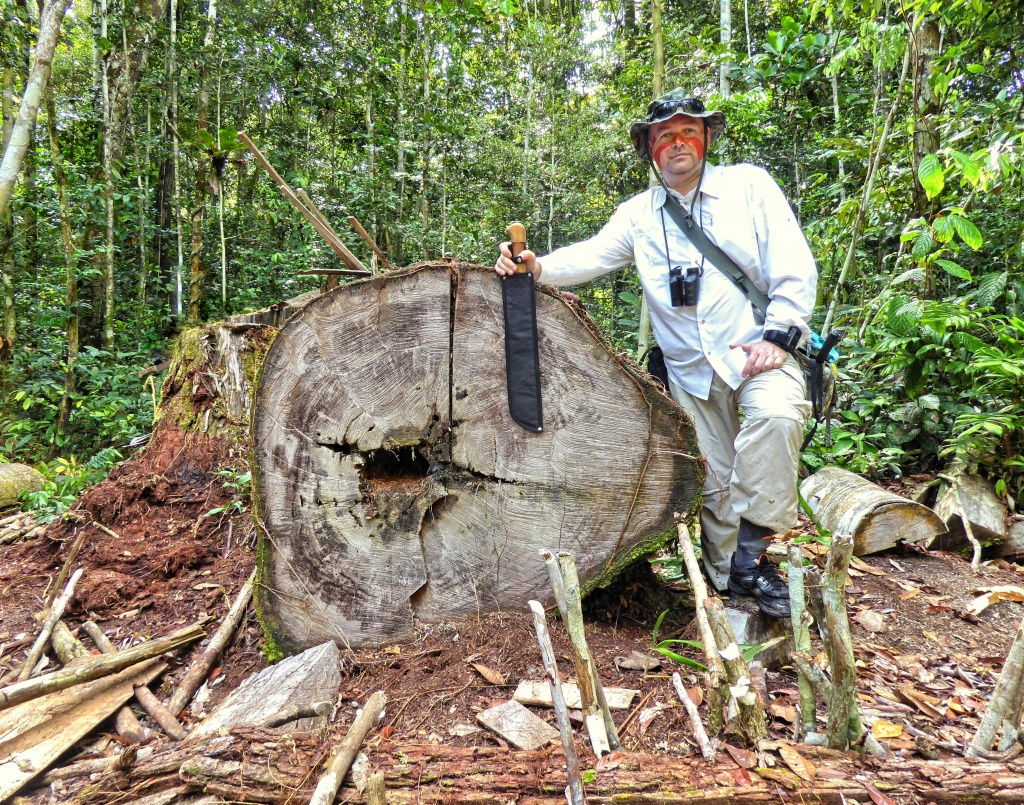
<point>50,617</point>
<point>70,649</point>
<point>600,721</point>
<point>812,596</point>
<point>752,720</point>
<point>843,716</point>
<point>5,521</point>
<point>547,653</point>
<point>143,695</point>
<point>358,227</point>
<point>375,792</point>
<point>557,585</point>
<point>698,727</point>
<point>1003,699</point>
<point>197,673</point>
<point>76,546</point>
<point>15,532</point>
<point>96,667</point>
<point>341,761</point>
<point>314,710</point>
<point>336,245</point>
<point>801,639</point>
<point>716,670</point>
<point>968,529</point>
<point>813,674</point>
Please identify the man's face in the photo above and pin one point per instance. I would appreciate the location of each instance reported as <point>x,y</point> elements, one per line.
<point>677,146</point>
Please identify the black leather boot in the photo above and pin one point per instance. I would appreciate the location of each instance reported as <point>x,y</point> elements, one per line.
<point>753,574</point>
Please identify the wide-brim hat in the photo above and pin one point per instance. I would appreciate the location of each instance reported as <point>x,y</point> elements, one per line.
<point>676,102</point>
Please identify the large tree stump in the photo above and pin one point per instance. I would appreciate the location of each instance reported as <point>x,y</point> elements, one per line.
<point>393,485</point>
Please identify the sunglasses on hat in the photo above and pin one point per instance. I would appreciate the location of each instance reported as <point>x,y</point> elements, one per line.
<point>661,109</point>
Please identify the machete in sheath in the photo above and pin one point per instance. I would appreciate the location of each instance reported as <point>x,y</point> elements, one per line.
<point>522,359</point>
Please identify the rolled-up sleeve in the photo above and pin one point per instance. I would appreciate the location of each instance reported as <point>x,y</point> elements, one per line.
<point>786,259</point>
<point>609,249</point>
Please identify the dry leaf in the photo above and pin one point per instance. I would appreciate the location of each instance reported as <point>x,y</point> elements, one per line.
<point>386,732</point>
<point>910,594</point>
<point>864,567</point>
<point>489,674</point>
<point>783,711</point>
<point>696,695</point>
<point>742,777</point>
<point>877,796</point>
<point>610,761</point>
<point>993,595</point>
<point>872,621</point>
<point>801,766</point>
<point>744,758</point>
<point>886,730</point>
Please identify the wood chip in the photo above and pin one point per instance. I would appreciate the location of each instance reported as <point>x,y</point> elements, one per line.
<point>517,725</point>
<point>538,694</point>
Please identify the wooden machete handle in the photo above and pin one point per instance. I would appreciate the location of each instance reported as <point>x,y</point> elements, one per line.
<point>517,235</point>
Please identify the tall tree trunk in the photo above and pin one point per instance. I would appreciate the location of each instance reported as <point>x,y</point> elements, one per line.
<point>196,270</point>
<point>399,257</point>
<point>141,181</point>
<point>725,23</point>
<point>925,40</point>
<point>39,76</point>
<point>108,196</point>
<point>643,336</point>
<point>71,279</point>
<point>9,331</point>
<point>428,153</point>
<point>172,120</point>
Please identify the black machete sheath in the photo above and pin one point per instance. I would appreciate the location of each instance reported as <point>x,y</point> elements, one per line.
<point>522,357</point>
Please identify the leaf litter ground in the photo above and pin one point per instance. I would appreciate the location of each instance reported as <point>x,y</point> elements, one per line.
<point>926,665</point>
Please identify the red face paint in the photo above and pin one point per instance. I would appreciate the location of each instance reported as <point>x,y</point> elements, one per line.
<point>661,144</point>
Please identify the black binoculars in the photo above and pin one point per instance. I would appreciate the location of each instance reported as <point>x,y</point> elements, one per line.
<point>684,287</point>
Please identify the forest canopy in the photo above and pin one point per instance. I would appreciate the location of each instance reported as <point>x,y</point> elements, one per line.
<point>895,130</point>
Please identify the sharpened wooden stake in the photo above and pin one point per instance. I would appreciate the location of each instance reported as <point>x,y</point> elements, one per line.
<point>50,617</point>
<point>96,667</point>
<point>751,713</point>
<point>547,653</point>
<point>555,577</point>
<point>358,227</point>
<point>197,673</point>
<point>596,713</point>
<point>341,761</point>
<point>715,674</point>
<point>326,233</point>
<point>801,639</point>
<point>699,733</point>
<point>143,695</point>
<point>843,715</point>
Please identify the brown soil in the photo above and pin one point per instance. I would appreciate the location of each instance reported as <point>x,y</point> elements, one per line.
<point>169,565</point>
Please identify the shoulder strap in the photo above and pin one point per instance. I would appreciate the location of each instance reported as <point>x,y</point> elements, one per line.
<point>718,258</point>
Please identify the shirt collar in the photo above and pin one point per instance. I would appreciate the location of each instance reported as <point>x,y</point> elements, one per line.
<point>711,185</point>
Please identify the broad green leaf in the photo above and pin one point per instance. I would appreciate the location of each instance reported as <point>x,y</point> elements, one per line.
<point>975,68</point>
<point>967,231</point>
<point>923,245</point>
<point>969,168</point>
<point>954,269</point>
<point>930,175</point>
<point>942,229</point>
<point>991,287</point>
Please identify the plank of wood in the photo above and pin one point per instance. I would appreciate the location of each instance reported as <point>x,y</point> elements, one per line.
<point>514,723</point>
<point>37,732</point>
<point>537,692</point>
<point>845,503</point>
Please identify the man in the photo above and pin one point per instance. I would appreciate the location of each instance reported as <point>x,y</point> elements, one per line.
<point>734,374</point>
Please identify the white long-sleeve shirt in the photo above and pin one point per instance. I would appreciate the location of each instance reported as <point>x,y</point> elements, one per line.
<point>741,209</point>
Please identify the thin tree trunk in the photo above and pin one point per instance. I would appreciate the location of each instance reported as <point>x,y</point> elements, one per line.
<point>108,196</point>
<point>725,37</point>
<point>39,76</point>
<point>195,261</point>
<point>924,43</point>
<point>71,278</point>
<point>658,85</point>
<point>172,115</point>
<point>8,335</point>
<point>865,199</point>
<point>400,133</point>
<point>143,197</point>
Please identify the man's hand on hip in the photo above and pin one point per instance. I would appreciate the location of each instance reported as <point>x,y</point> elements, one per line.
<point>506,265</point>
<point>761,357</point>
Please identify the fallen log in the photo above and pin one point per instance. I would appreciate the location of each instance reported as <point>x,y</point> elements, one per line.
<point>143,695</point>
<point>341,760</point>
<point>50,616</point>
<point>95,668</point>
<point>15,480</point>
<point>200,668</point>
<point>392,483</point>
<point>845,503</point>
<point>971,511</point>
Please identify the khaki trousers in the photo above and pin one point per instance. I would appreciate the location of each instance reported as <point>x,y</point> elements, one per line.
<point>750,439</point>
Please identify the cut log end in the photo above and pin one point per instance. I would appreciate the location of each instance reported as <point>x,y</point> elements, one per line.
<point>395,487</point>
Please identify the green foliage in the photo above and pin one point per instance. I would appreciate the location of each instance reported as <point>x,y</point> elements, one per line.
<point>65,479</point>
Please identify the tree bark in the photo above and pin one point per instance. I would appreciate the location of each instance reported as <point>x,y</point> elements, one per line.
<point>38,78</point>
<point>925,44</point>
<point>392,482</point>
